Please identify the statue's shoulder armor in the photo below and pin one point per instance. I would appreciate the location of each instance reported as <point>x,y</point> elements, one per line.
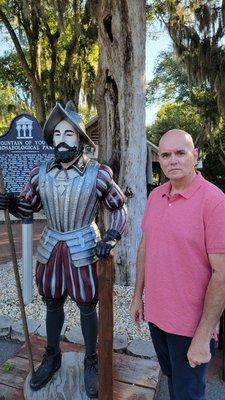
<point>44,167</point>
<point>92,168</point>
<point>93,163</point>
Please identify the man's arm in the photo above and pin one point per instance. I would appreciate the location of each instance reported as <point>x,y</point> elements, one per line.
<point>137,306</point>
<point>199,350</point>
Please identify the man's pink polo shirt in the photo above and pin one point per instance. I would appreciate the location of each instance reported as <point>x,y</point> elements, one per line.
<point>180,232</point>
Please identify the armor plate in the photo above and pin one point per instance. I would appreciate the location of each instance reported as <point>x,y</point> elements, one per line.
<point>70,203</point>
<point>81,243</point>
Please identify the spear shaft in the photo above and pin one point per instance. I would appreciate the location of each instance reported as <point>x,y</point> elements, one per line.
<point>17,277</point>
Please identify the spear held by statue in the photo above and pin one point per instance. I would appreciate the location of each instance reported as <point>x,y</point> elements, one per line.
<point>17,277</point>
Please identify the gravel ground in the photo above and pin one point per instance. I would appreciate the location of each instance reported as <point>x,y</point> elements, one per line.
<point>36,310</point>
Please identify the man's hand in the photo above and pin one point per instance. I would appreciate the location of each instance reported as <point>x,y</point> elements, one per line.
<point>103,249</point>
<point>105,245</point>
<point>7,200</point>
<point>137,310</point>
<point>198,352</point>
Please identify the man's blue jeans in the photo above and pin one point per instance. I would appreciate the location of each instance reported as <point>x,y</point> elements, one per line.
<point>185,382</point>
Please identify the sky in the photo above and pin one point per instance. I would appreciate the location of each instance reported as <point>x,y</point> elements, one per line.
<point>153,48</point>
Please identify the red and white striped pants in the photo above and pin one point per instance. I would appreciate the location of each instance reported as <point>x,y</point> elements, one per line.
<point>60,277</point>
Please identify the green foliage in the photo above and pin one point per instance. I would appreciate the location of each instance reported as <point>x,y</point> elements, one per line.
<point>170,82</point>
<point>11,104</point>
<point>56,51</point>
<point>186,116</point>
<point>214,156</point>
<point>8,366</point>
<point>197,31</point>
<point>87,113</point>
<point>12,73</point>
<point>15,93</point>
<point>149,11</point>
<point>205,101</point>
<point>175,115</point>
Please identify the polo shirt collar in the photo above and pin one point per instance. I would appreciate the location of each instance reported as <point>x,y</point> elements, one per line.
<point>189,190</point>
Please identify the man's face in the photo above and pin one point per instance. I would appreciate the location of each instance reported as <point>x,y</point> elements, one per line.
<point>64,132</point>
<point>177,156</point>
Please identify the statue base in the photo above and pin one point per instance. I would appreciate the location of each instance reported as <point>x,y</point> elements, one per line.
<point>67,383</point>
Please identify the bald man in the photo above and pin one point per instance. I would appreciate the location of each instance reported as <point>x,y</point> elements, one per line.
<point>181,268</point>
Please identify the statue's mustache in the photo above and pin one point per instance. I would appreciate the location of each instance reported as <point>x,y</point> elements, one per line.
<point>66,146</point>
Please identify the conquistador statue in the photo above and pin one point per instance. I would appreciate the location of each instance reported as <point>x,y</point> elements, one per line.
<point>69,188</point>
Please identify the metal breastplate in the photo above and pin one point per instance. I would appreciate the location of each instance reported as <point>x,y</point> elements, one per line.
<point>70,203</point>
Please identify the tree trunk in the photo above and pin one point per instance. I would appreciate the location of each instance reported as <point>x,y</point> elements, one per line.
<point>39,104</point>
<point>120,101</point>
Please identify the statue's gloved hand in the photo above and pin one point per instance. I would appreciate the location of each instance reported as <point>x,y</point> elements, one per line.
<point>105,245</point>
<point>7,200</point>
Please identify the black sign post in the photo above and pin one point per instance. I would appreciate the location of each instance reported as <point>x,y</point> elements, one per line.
<point>21,148</point>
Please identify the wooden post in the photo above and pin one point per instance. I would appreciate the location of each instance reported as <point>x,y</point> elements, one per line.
<point>106,280</point>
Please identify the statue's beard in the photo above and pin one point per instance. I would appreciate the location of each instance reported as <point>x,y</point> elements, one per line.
<point>67,155</point>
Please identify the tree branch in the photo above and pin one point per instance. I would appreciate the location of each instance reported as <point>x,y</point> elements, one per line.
<point>24,63</point>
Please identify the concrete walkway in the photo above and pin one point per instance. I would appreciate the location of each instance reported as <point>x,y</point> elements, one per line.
<point>7,349</point>
<point>215,387</point>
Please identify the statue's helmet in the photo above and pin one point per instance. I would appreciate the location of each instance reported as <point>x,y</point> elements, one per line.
<point>69,114</point>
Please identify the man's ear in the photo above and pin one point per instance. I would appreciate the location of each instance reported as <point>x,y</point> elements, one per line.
<point>195,153</point>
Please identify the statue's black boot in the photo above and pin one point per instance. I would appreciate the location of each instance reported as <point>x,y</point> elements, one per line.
<point>49,365</point>
<point>91,375</point>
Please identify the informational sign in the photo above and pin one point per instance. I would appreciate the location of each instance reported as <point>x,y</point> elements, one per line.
<point>21,148</point>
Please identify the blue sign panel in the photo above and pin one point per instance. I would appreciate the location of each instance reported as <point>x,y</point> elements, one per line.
<point>21,148</point>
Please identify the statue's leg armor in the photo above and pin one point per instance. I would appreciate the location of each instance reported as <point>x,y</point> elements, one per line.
<point>54,322</point>
<point>89,326</point>
<point>52,357</point>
